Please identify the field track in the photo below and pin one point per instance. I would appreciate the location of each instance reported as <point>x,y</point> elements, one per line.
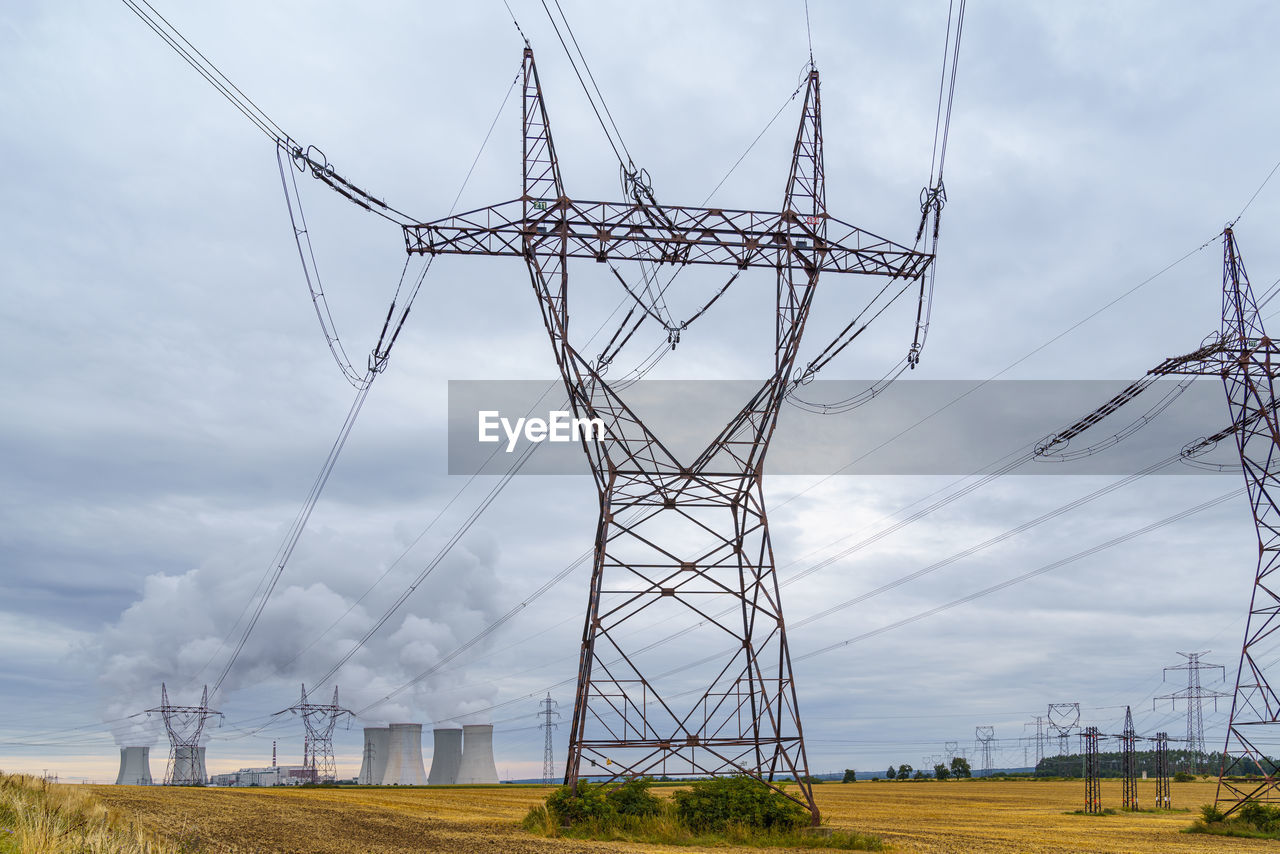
<point>912,817</point>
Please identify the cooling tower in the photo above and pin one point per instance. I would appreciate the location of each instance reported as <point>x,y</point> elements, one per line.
<point>135,767</point>
<point>201,771</point>
<point>446,757</point>
<point>404,756</point>
<point>377,740</point>
<point>186,766</point>
<point>477,755</point>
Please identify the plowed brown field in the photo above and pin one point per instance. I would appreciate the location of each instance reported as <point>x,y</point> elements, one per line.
<point>911,817</point>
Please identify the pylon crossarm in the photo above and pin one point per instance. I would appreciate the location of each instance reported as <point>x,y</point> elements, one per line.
<point>625,231</point>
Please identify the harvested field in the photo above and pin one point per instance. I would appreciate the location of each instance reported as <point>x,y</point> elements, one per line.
<point>912,817</point>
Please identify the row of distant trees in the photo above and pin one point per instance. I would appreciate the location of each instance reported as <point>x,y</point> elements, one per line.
<point>1109,764</point>
<point>959,769</point>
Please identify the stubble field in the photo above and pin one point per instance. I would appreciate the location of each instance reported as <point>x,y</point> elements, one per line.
<point>911,817</point>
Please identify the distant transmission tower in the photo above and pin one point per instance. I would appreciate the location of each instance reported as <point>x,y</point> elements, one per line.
<point>185,725</point>
<point>1063,719</point>
<point>1038,722</point>
<point>1128,763</point>
<point>1092,785</point>
<point>548,748</point>
<point>317,744</point>
<point>985,735</point>
<point>1194,694</point>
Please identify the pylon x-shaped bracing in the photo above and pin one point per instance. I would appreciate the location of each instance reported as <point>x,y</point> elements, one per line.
<point>1248,362</point>
<point>678,538</point>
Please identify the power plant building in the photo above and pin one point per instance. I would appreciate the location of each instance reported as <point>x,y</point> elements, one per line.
<point>135,767</point>
<point>377,743</point>
<point>446,757</point>
<point>404,756</point>
<point>477,764</point>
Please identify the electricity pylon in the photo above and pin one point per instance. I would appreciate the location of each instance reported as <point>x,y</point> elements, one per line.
<point>985,735</point>
<point>1129,763</point>
<point>317,744</point>
<point>1194,694</point>
<point>185,725</point>
<point>548,747</point>
<point>678,537</point>
<point>1063,719</point>
<point>1248,363</point>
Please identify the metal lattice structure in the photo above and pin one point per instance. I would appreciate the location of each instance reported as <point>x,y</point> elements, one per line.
<point>1248,362</point>
<point>1164,794</point>
<point>678,537</point>
<point>548,747</point>
<point>985,735</point>
<point>1063,719</point>
<point>1128,764</point>
<point>317,745</point>
<point>1038,723</point>
<point>185,726</point>
<point>1194,695</point>
<point>1092,785</point>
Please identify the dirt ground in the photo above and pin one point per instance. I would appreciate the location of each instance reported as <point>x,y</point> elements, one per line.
<point>911,817</point>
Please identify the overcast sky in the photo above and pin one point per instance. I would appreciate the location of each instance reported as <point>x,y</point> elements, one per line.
<point>169,396</point>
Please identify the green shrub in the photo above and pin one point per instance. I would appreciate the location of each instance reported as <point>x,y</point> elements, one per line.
<point>717,803</point>
<point>1263,817</point>
<point>1211,813</point>
<point>633,798</point>
<point>588,803</point>
<point>1184,777</point>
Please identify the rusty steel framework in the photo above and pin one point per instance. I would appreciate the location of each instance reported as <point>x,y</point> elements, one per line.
<point>677,536</point>
<point>185,726</point>
<point>1248,362</point>
<point>1092,785</point>
<point>1164,797</point>
<point>319,719</point>
<point>1129,763</point>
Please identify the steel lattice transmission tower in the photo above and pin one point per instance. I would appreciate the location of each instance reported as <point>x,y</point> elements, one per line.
<point>1194,694</point>
<point>678,537</point>
<point>1248,362</point>
<point>185,725</point>
<point>548,747</point>
<point>317,745</point>
<point>985,735</point>
<point>1063,719</point>
<point>1092,785</point>
<point>1164,798</point>
<point>1038,723</point>
<point>1129,763</point>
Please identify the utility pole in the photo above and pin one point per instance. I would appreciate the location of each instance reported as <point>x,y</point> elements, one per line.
<point>1194,694</point>
<point>548,748</point>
